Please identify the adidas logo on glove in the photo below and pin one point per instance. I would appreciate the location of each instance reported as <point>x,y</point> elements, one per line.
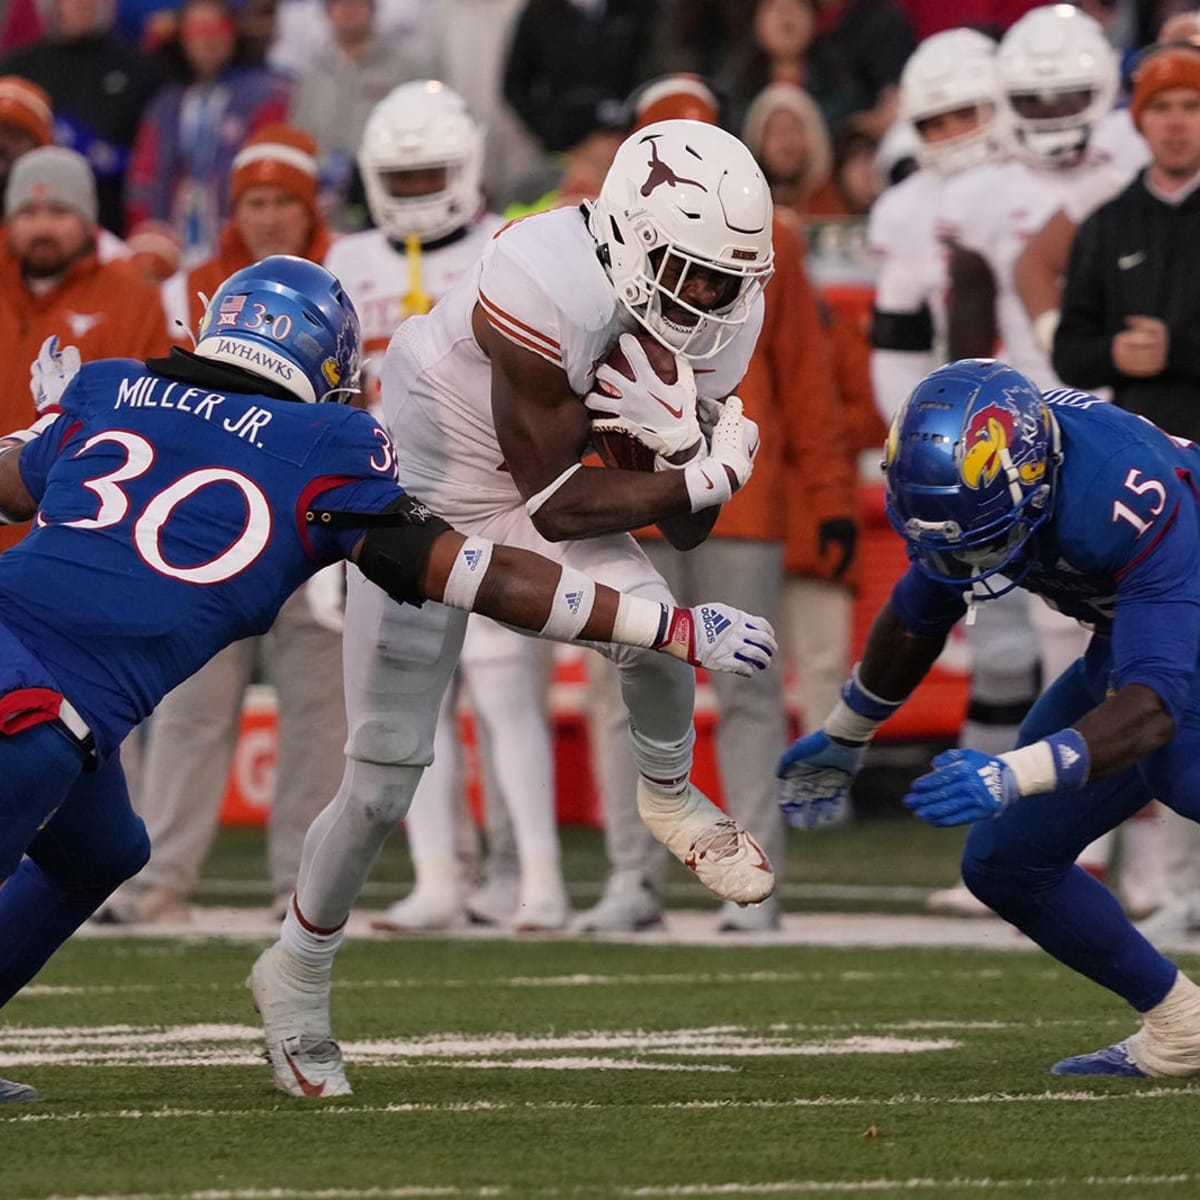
<point>715,624</point>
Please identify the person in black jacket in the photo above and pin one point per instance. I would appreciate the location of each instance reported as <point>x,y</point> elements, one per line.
<point>1131,302</point>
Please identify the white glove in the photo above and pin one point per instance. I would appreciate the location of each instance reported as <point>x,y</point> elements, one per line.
<point>735,441</point>
<point>733,444</point>
<point>50,373</point>
<point>326,595</point>
<point>720,637</point>
<point>662,416</point>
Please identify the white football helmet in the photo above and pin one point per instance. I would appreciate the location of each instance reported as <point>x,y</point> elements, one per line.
<point>419,126</point>
<point>953,70</point>
<point>1055,53</point>
<point>692,193</point>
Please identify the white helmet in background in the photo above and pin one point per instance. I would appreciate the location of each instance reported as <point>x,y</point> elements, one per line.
<point>690,192</point>
<point>416,127</point>
<point>949,72</point>
<point>1055,55</point>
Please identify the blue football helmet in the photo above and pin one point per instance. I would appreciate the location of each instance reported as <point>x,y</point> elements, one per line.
<point>969,465</point>
<point>288,320</point>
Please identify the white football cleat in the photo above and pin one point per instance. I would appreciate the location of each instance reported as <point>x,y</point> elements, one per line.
<point>494,902</point>
<point>304,1058</point>
<point>421,909</point>
<point>543,912</point>
<point>721,854</point>
<point>629,904</point>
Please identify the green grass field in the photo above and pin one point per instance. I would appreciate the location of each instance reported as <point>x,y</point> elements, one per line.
<point>569,1068</point>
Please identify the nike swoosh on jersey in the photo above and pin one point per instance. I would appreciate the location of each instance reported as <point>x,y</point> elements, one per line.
<point>677,413</point>
<point>1127,262</point>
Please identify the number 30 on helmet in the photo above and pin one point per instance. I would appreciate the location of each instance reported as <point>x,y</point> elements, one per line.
<point>287,320</point>
<point>969,465</point>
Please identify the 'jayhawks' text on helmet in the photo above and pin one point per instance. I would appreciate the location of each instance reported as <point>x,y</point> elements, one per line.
<point>969,465</point>
<point>683,197</point>
<point>288,320</point>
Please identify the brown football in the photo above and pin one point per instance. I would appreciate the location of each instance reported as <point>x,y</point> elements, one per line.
<point>621,449</point>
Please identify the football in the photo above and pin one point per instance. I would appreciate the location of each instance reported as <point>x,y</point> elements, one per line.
<point>623,450</point>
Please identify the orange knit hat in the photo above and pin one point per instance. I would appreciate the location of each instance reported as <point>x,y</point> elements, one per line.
<point>682,97</point>
<point>278,154</point>
<point>1171,67</point>
<point>26,106</point>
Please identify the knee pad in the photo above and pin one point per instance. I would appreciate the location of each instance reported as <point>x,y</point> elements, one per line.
<point>104,865</point>
<point>380,793</point>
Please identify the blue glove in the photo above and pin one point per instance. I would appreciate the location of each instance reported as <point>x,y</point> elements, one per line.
<point>965,786</point>
<point>815,775</point>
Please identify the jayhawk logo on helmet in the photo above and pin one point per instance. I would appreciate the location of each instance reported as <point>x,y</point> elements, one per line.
<point>999,433</point>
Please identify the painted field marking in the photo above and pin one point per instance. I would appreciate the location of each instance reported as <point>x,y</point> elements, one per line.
<point>623,1050</point>
<point>350,1109</point>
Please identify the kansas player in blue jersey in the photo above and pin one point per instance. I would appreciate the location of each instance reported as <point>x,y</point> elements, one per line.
<point>993,485</point>
<point>177,504</point>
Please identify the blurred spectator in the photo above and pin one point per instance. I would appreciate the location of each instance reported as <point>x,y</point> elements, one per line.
<point>569,58</point>
<point>52,282</point>
<point>573,175</point>
<point>194,730</point>
<point>704,37</point>
<point>155,250</point>
<point>854,174</point>
<point>191,131</point>
<point>98,88</point>
<point>335,94</point>
<point>25,121</point>
<point>860,49</point>
<point>1131,300</point>
<point>20,25</point>
<point>786,133</point>
<point>470,45</point>
<point>302,30</point>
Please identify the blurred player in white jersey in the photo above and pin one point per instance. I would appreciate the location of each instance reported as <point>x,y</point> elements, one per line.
<point>949,96</point>
<point>421,159</point>
<point>492,397</point>
<point>1058,77</point>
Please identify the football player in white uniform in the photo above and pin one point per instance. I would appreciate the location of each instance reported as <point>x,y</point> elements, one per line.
<point>484,395</point>
<point>421,160</point>
<point>949,96</point>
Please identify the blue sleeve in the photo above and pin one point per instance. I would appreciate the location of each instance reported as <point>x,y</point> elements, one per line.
<point>1156,628</point>
<point>1133,518</point>
<point>357,474</point>
<point>925,608</point>
<point>40,454</point>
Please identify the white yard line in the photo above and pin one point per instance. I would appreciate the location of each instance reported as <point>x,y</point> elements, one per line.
<point>347,1108</point>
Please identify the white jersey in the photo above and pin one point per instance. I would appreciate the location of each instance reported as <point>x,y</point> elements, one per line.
<point>378,278</point>
<point>993,209</point>
<point>540,284</point>
<point>904,239</point>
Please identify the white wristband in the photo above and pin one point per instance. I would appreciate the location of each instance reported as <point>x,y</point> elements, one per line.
<point>707,483</point>
<point>639,622</point>
<point>574,596</point>
<point>846,725</point>
<point>467,574</point>
<point>1033,768</point>
<point>665,464</point>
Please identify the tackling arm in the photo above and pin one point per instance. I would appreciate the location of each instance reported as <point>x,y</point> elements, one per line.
<point>415,556</point>
<point>16,504</point>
